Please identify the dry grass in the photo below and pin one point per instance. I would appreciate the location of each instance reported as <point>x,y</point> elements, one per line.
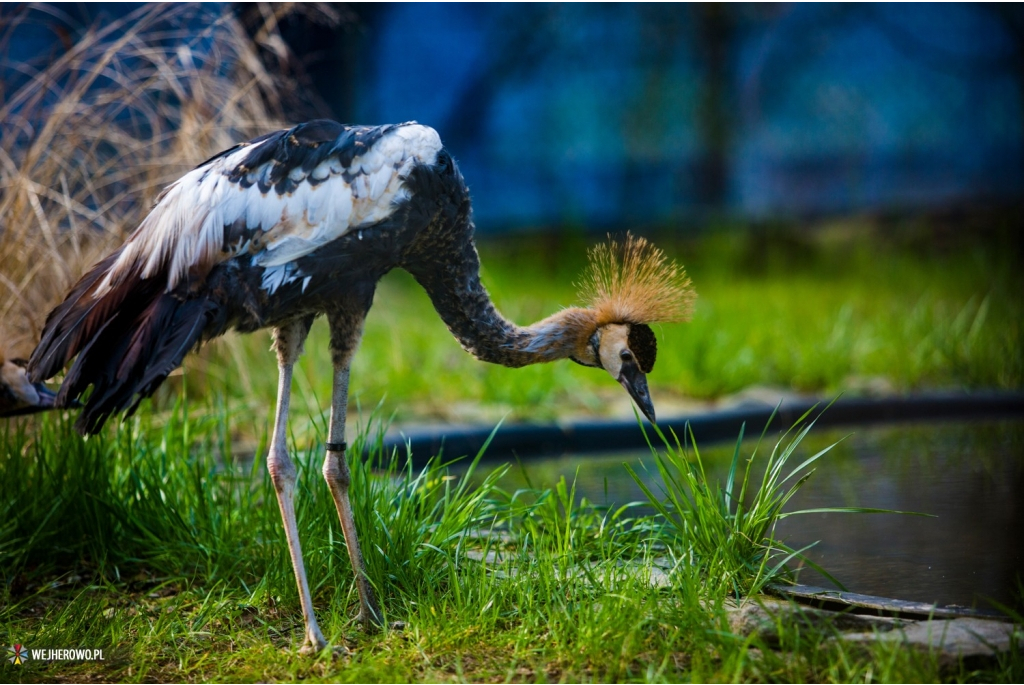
<point>91,136</point>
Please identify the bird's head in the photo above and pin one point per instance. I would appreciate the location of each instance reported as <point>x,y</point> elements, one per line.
<point>628,287</point>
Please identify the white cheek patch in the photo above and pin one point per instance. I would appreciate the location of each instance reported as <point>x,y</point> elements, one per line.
<point>614,339</point>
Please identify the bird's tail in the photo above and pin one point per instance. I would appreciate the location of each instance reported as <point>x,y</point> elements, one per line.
<point>127,337</point>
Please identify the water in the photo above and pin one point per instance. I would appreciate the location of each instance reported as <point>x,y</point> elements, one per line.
<point>969,475</point>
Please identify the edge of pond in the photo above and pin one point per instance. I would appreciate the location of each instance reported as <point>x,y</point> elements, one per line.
<point>530,441</point>
<point>872,605</point>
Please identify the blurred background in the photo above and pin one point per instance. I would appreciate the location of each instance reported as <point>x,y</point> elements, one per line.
<point>843,182</point>
<point>604,115</point>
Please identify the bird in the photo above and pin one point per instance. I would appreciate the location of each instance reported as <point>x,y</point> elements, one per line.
<point>303,222</point>
<point>18,395</point>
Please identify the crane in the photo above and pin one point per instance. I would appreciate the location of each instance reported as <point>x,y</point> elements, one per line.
<point>17,395</point>
<point>304,222</point>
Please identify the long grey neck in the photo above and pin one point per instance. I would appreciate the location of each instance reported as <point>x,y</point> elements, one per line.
<point>451,276</point>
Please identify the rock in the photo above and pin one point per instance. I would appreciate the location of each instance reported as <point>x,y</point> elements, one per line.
<point>959,638</point>
<point>763,616</point>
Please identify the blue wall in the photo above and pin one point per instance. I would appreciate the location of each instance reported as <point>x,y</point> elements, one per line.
<point>599,114</point>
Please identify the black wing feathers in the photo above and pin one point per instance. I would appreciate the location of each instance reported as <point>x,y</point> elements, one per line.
<point>134,353</point>
<point>305,147</point>
<point>193,321</point>
<point>127,341</point>
<point>74,321</point>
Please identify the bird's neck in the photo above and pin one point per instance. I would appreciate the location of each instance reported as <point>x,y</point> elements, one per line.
<point>452,280</point>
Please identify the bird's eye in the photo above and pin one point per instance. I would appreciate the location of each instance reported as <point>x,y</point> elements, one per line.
<point>626,355</point>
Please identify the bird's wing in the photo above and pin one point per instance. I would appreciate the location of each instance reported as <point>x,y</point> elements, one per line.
<point>278,197</point>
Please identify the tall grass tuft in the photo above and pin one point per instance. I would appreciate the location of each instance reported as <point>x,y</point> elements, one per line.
<point>728,532</point>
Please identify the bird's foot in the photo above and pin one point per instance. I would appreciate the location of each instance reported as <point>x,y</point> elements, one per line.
<point>371,621</point>
<point>336,651</point>
<point>314,643</point>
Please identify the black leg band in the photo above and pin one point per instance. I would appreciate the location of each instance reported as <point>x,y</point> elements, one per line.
<point>336,446</point>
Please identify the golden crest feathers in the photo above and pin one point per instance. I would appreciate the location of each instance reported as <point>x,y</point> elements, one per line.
<point>634,282</point>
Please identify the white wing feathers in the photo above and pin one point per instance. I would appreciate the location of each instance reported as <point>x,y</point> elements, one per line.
<point>186,229</point>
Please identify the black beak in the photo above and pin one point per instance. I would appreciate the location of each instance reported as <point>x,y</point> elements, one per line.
<point>635,382</point>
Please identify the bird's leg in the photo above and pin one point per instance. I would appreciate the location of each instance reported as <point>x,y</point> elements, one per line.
<point>288,341</point>
<point>337,475</point>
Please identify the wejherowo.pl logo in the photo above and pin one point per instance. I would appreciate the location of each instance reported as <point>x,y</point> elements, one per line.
<point>20,654</point>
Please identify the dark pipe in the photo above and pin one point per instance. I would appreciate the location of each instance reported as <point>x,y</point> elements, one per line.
<point>528,441</point>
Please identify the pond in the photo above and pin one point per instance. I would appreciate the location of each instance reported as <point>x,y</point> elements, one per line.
<point>969,475</point>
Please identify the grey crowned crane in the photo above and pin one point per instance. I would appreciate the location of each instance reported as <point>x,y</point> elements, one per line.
<point>17,394</point>
<point>302,222</point>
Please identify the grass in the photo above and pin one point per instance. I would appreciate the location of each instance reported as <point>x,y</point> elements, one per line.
<point>159,546</point>
<point>730,529</point>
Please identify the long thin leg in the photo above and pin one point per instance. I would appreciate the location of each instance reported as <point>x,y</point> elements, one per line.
<point>336,474</point>
<point>346,325</point>
<point>288,342</point>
